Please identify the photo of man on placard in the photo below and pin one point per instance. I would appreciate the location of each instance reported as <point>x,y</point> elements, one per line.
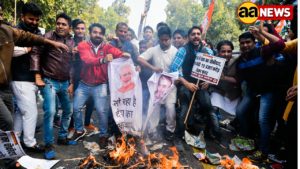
<point>126,78</point>
<point>164,84</point>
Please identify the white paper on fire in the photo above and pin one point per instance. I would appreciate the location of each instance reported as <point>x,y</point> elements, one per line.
<point>160,86</point>
<point>125,95</point>
<point>10,146</point>
<point>208,68</point>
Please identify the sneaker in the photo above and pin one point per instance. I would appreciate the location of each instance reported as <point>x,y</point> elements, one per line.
<point>169,136</point>
<point>36,148</point>
<point>103,142</point>
<point>78,136</point>
<point>49,152</point>
<point>258,156</point>
<point>66,141</point>
<point>91,127</point>
<point>71,133</point>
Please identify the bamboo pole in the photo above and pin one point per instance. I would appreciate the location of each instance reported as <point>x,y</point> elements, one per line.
<point>190,106</point>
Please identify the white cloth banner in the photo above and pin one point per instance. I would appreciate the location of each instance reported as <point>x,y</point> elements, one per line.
<point>10,146</point>
<point>125,95</point>
<point>224,103</point>
<point>160,85</point>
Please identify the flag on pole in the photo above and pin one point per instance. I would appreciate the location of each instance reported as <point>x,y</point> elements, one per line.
<point>280,26</point>
<point>147,5</point>
<point>207,18</point>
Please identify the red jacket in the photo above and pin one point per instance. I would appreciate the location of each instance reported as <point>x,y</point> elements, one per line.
<point>92,72</point>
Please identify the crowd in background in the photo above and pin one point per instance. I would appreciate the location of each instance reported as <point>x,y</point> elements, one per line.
<point>260,84</point>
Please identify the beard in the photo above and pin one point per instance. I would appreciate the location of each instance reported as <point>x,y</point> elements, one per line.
<point>96,41</point>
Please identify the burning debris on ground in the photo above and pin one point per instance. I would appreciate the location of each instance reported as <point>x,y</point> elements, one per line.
<point>130,153</point>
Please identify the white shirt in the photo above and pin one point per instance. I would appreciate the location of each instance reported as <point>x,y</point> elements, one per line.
<point>162,59</point>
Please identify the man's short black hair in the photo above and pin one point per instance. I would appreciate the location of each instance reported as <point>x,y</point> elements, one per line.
<point>120,24</point>
<point>148,27</point>
<point>192,28</point>
<point>224,42</point>
<point>180,32</point>
<point>247,35</point>
<point>65,16</point>
<point>31,8</point>
<point>98,25</point>
<point>164,30</point>
<point>76,22</point>
<point>161,24</point>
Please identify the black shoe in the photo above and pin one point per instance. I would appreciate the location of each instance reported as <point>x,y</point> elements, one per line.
<point>36,148</point>
<point>169,136</point>
<point>103,142</point>
<point>65,141</point>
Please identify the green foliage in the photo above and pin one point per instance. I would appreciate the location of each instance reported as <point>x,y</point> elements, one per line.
<point>183,14</point>
<point>224,25</point>
<point>87,10</point>
<point>117,12</point>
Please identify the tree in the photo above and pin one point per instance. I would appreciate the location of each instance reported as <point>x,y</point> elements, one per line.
<point>224,25</point>
<point>184,14</point>
<point>117,12</point>
<point>87,10</point>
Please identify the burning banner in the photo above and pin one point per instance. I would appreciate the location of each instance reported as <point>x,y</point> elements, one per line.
<point>125,89</point>
<point>160,86</point>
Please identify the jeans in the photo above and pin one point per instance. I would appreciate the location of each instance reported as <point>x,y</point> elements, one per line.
<point>203,100</point>
<point>101,101</point>
<point>26,112</point>
<point>265,118</point>
<point>49,92</point>
<point>6,108</point>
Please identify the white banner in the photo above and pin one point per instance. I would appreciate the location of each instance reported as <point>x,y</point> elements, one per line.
<point>125,95</point>
<point>160,85</point>
<point>208,68</point>
<point>10,146</point>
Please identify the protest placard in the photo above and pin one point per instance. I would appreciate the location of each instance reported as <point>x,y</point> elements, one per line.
<point>160,85</point>
<point>208,68</point>
<point>10,146</point>
<point>126,95</point>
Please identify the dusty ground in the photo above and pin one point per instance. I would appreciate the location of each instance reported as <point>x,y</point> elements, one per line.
<point>70,156</point>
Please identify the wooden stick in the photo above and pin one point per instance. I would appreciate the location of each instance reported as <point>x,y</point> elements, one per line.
<point>190,106</point>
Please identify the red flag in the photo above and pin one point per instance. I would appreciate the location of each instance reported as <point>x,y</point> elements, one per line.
<point>207,18</point>
<point>280,26</point>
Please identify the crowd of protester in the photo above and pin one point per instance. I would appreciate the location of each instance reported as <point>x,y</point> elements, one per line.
<point>72,61</point>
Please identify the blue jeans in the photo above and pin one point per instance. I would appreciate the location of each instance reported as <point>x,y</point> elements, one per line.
<point>49,92</point>
<point>265,118</point>
<point>101,102</point>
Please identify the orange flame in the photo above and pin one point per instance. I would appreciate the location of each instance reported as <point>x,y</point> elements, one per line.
<point>164,162</point>
<point>123,151</point>
<point>228,163</point>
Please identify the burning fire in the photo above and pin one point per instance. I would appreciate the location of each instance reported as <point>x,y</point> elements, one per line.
<point>123,151</point>
<point>228,163</point>
<point>165,162</point>
<point>126,155</point>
